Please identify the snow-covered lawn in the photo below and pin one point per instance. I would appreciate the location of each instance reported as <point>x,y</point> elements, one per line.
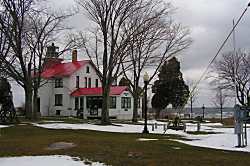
<point>46,161</point>
<point>127,128</point>
<point>116,128</point>
<point>224,138</point>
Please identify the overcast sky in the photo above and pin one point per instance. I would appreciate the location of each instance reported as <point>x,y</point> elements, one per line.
<point>209,21</point>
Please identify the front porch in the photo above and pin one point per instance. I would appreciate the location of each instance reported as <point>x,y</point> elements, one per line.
<point>87,102</point>
<point>93,106</point>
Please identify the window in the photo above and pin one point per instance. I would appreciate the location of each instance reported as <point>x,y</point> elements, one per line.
<point>112,103</point>
<point>76,103</point>
<point>81,103</point>
<point>77,81</point>
<point>126,102</point>
<point>58,83</point>
<point>86,82</point>
<point>87,69</point>
<point>89,83</point>
<point>58,100</point>
<point>96,83</point>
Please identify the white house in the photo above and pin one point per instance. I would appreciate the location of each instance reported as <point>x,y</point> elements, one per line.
<point>74,88</point>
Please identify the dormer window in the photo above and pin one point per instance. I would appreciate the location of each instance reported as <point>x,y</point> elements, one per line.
<point>87,69</point>
<point>58,83</point>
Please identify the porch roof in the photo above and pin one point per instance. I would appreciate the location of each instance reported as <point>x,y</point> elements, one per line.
<point>115,90</point>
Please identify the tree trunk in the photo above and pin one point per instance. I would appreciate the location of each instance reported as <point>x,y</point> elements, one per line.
<point>191,115</point>
<point>135,108</point>
<point>248,100</point>
<point>221,107</point>
<point>28,103</point>
<point>105,105</point>
<point>35,98</point>
<point>28,93</point>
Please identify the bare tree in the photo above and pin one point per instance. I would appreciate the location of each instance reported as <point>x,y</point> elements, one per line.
<point>109,18</point>
<point>46,28</point>
<point>156,41</point>
<point>193,96</point>
<point>220,99</point>
<point>15,60</point>
<point>25,34</point>
<point>233,72</point>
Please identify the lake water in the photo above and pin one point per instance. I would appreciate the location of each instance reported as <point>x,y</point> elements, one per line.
<point>208,112</point>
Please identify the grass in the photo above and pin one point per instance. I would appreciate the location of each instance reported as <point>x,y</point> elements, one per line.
<point>114,148</point>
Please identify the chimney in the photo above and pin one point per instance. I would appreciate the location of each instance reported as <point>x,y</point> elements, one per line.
<point>74,55</point>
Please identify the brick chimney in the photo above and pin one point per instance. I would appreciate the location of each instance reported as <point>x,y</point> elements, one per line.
<point>74,55</point>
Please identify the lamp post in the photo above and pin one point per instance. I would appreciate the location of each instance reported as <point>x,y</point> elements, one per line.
<point>203,111</point>
<point>146,80</point>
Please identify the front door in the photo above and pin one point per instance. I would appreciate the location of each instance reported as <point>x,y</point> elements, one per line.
<point>94,110</point>
<point>93,104</point>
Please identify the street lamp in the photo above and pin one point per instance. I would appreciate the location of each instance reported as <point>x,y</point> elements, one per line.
<point>203,111</point>
<point>146,80</point>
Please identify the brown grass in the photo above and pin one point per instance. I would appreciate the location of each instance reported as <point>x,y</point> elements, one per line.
<point>114,148</point>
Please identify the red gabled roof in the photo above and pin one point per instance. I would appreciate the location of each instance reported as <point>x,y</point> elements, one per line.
<point>115,90</point>
<point>63,69</point>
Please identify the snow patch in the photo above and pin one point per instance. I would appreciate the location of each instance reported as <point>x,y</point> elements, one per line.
<point>46,161</point>
<point>52,121</point>
<point>3,126</point>
<point>213,124</point>
<point>176,148</point>
<point>225,140</point>
<point>152,122</point>
<point>146,139</point>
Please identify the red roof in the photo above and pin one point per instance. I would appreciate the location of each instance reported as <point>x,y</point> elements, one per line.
<point>115,90</point>
<point>63,69</point>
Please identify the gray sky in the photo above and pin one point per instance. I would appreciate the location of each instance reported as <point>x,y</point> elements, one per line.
<point>209,21</point>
